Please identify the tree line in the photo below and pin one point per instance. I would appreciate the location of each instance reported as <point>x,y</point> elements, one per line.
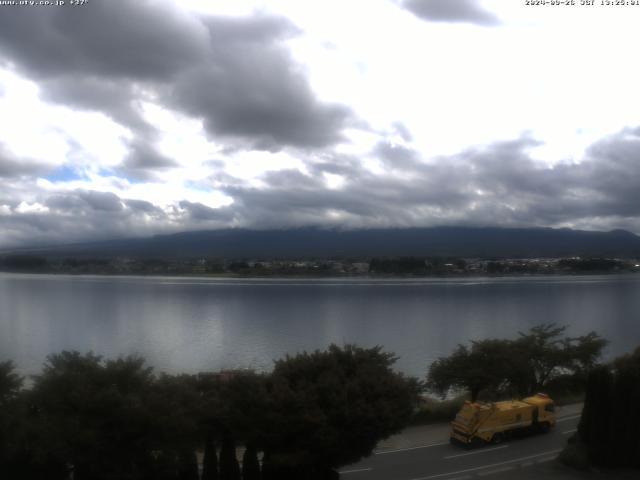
<point>95,418</point>
<point>108,419</point>
<point>538,360</point>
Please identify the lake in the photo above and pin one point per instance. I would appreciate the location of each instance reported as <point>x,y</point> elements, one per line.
<point>196,324</point>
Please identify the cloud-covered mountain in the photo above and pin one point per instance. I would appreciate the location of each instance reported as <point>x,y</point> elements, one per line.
<point>323,243</point>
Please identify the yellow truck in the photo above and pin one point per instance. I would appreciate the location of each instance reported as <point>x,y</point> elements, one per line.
<point>478,423</point>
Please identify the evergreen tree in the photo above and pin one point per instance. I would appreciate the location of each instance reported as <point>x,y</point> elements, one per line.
<point>626,415</point>
<point>597,415</point>
<point>210,460</point>
<point>166,466</point>
<point>250,464</point>
<point>267,467</point>
<point>229,467</point>
<point>610,416</point>
<point>330,408</point>
<point>187,465</point>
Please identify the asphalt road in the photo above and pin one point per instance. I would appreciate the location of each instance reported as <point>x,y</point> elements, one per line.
<point>441,461</point>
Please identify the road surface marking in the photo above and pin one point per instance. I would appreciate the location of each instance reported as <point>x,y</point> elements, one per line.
<point>476,452</point>
<point>567,432</point>
<point>411,448</point>
<point>564,419</point>
<point>343,472</point>
<point>547,459</point>
<point>489,466</point>
<point>495,470</point>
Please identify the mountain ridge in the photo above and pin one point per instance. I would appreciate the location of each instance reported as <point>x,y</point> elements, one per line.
<point>314,242</point>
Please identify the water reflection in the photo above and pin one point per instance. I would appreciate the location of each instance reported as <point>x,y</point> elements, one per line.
<point>188,325</point>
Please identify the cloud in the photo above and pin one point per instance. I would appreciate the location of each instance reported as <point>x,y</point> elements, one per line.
<point>251,89</point>
<point>13,167</point>
<point>58,218</point>
<point>198,211</point>
<point>453,11</point>
<point>102,201</point>
<point>395,155</point>
<point>193,95</point>
<point>236,74</point>
<point>497,184</point>
<point>143,206</point>
<point>144,160</point>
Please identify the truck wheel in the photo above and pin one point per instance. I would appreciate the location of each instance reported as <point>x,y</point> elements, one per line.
<point>497,438</point>
<point>544,427</point>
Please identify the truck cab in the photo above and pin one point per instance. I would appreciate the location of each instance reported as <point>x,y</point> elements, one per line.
<point>544,412</point>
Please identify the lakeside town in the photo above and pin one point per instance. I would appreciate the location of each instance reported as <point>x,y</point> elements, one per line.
<point>385,266</point>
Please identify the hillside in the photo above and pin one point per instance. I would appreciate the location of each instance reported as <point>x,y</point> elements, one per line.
<point>320,243</point>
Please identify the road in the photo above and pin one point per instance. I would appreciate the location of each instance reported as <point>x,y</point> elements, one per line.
<point>438,460</point>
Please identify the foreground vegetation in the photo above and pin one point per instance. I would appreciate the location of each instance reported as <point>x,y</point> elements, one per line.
<point>608,431</point>
<point>115,419</point>
<point>314,412</point>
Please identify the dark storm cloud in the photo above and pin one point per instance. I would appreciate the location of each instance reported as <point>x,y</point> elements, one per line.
<point>144,160</point>
<point>454,11</point>
<point>295,199</point>
<point>123,39</point>
<point>13,167</point>
<point>143,206</point>
<point>114,97</point>
<point>89,202</point>
<point>84,200</point>
<point>82,215</point>
<point>252,89</point>
<point>198,211</point>
<point>105,201</point>
<point>65,203</point>
<point>346,165</point>
<point>499,184</point>
<point>496,185</point>
<point>235,74</point>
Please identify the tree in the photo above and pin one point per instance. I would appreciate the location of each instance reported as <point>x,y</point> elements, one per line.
<point>10,382</point>
<point>229,467</point>
<point>93,415</point>
<point>10,386</point>
<point>610,417</point>
<point>210,460</point>
<point>187,465</point>
<point>175,403</point>
<point>485,366</point>
<point>330,408</point>
<point>250,464</point>
<point>546,354</point>
<point>234,402</point>
<point>521,367</point>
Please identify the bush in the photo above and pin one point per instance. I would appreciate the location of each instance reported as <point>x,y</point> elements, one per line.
<point>437,411</point>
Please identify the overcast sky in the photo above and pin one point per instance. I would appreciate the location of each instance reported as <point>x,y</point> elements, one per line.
<point>136,117</point>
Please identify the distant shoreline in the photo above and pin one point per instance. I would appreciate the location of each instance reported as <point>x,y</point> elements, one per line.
<point>231,276</point>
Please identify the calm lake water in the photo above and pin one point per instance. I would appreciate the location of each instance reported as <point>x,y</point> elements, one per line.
<point>193,324</point>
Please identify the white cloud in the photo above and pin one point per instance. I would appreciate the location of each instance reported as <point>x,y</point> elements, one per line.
<point>25,207</point>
